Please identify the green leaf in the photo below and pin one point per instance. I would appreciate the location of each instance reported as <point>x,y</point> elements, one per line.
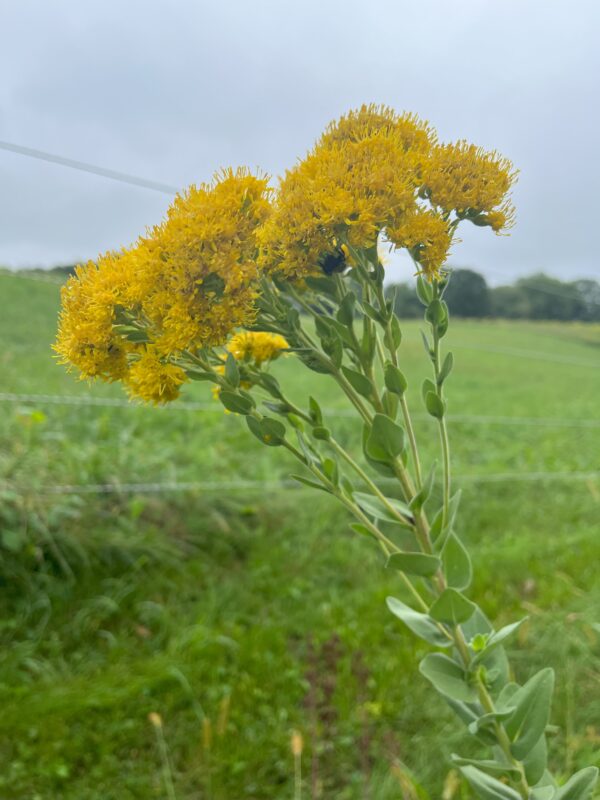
<point>536,761</point>
<point>131,333</point>
<point>488,765</point>
<point>358,381</point>
<point>435,405</point>
<point>532,712</point>
<point>457,563</point>
<point>580,786</point>
<point>419,500</point>
<point>310,358</point>
<point>386,439</point>
<point>343,331</point>
<point>345,312</point>
<point>424,290</point>
<point>362,529</point>
<point>322,284</point>
<point>212,284</point>
<point>372,312</point>
<point>332,346</point>
<point>440,533</point>
<point>543,793</point>
<point>452,608</point>
<point>379,462</point>
<point>496,639</point>
<point>427,386</point>
<point>273,431</point>
<point>434,313</point>
<point>271,384</point>
<point>322,433</point>
<point>392,338</point>
<point>426,344</point>
<point>446,368</point>
<point>331,470</point>
<point>420,624</point>
<point>269,431</point>
<point>309,482</point>
<point>376,508</point>
<point>236,403</point>
<point>394,379</point>
<point>196,374</point>
<point>390,404</point>
<point>277,407</point>
<point>415,563</point>
<point>496,662</point>
<point>314,411</point>
<point>488,720</point>
<point>486,787</point>
<point>232,373</point>
<point>447,677</point>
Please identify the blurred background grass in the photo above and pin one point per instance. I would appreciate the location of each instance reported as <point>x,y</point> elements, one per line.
<point>241,614</point>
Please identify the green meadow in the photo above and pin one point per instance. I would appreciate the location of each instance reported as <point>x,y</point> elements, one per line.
<point>203,586</point>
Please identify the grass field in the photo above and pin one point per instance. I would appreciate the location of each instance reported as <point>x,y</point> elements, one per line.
<point>239,613</point>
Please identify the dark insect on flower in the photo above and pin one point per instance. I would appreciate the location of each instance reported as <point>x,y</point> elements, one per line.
<point>333,262</point>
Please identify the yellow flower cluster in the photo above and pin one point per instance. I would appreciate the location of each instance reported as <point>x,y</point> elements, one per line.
<point>192,280</point>
<point>361,176</point>
<point>254,347</point>
<point>184,286</point>
<point>426,235</point>
<point>373,172</point>
<point>471,181</point>
<point>257,346</point>
<point>153,379</point>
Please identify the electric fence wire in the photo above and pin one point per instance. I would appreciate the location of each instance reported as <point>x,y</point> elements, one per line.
<point>110,402</point>
<point>157,487</point>
<point>157,186</point>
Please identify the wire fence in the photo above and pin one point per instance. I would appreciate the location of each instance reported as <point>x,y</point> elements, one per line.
<point>165,188</point>
<point>158,487</point>
<point>110,402</point>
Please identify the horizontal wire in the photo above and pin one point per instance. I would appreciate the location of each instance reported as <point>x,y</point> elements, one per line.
<point>532,354</point>
<point>110,402</point>
<point>234,485</point>
<point>83,166</point>
<point>145,183</point>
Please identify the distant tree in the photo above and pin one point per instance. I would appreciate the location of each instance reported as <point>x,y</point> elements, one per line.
<point>589,292</point>
<point>406,303</point>
<point>467,294</point>
<point>66,269</point>
<point>509,302</point>
<point>550,298</point>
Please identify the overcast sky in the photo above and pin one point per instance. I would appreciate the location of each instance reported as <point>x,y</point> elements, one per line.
<point>173,90</point>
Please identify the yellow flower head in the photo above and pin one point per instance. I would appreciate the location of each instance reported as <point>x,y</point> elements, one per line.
<point>199,279</point>
<point>187,284</point>
<point>86,337</point>
<point>362,175</point>
<point>153,379</point>
<point>428,238</point>
<point>473,182</point>
<point>257,346</point>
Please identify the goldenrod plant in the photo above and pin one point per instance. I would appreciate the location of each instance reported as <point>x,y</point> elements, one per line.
<point>239,273</point>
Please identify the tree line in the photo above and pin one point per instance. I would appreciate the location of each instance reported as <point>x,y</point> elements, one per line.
<point>535,297</point>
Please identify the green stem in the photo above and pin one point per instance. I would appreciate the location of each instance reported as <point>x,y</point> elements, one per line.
<point>372,486</point>
<point>411,440</point>
<point>387,544</point>
<point>443,429</point>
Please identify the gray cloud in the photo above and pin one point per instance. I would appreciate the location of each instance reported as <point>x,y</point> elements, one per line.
<point>172,91</point>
